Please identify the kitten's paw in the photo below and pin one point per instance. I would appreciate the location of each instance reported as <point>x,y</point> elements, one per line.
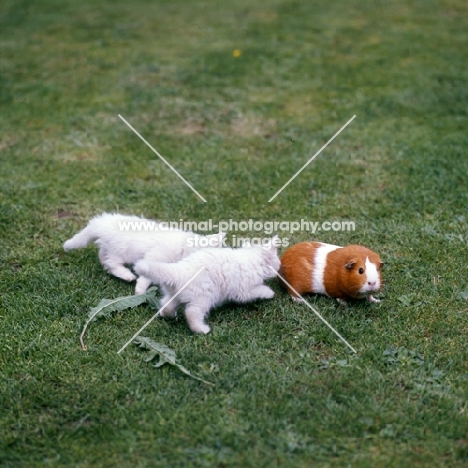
<point>371,298</point>
<point>169,312</point>
<point>68,245</point>
<point>168,315</point>
<point>268,293</point>
<point>140,290</point>
<point>200,328</point>
<point>141,268</point>
<point>122,273</point>
<point>142,285</point>
<point>261,292</point>
<point>129,277</point>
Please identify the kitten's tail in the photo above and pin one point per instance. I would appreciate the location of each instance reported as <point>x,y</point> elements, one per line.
<point>82,239</point>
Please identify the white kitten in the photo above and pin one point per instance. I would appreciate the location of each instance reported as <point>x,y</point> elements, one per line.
<point>228,275</point>
<point>124,240</point>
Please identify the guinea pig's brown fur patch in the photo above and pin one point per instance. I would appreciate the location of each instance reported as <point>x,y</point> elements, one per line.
<point>297,264</point>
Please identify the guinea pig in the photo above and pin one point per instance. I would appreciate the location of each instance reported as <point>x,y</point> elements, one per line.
<point>351,272</point>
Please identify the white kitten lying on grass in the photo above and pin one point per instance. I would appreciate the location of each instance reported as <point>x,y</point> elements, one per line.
<point>124,240</point>
<point>228,275</point>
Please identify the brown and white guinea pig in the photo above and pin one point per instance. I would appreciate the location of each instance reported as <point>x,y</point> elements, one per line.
<point>351,272</point>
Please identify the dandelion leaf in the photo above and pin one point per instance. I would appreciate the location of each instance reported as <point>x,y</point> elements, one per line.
<point>107,306</point>
<point>166,355</point>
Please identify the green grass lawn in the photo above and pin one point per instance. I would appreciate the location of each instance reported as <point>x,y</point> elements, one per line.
<point>287,392</point>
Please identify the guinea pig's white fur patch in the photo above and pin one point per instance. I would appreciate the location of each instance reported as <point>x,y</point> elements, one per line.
<point>320,262</point>
<point>372,278</point>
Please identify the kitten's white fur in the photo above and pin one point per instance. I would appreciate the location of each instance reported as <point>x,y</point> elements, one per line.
<point>228,275</point>
<point>118,247</point>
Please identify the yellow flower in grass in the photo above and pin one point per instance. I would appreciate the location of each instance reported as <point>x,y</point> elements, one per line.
<point>237,53</point>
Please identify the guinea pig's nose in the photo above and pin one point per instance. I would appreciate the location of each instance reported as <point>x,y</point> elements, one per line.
<point>371,283</point>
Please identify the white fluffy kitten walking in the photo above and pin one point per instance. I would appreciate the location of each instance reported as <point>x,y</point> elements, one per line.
<point>124,240</point>
<point>228,275</point>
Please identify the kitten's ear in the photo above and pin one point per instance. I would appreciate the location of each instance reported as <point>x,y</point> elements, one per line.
<point>272,244</point>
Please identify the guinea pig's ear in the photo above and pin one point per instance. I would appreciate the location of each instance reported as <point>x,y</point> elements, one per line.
<point>350,264</point>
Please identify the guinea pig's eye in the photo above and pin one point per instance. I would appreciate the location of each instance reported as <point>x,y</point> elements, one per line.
<point>361,271</point>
